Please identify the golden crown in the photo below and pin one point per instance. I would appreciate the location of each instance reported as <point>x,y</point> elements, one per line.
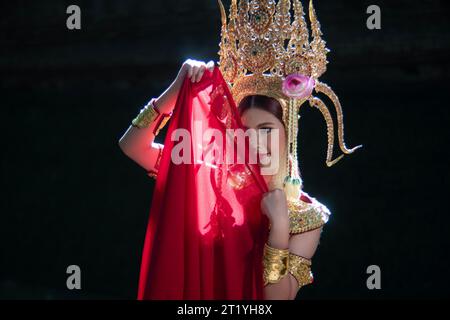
<point>262,45</point>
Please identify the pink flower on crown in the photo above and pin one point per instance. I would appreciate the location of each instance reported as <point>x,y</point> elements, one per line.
<point>298,86</point>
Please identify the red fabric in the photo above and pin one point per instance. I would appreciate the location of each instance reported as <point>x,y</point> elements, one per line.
<point>305,198</point>
<point>205,238</point>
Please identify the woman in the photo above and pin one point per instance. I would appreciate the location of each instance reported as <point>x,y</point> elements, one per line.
<point>270,69</point>
<point>259,113</point>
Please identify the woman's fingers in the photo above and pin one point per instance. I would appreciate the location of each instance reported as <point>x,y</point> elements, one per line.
<point>200,72</point>
<point>189,68</point>
<point>210,65</point>
<point>196,69</point>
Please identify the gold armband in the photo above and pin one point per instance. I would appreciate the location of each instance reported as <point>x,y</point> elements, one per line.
<point>275,263</point>
<point>146,116</point>
<point>300,268</point>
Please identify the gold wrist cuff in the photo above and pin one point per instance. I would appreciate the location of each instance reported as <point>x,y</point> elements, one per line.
<point>276,264</point>
<point>300,268</point>
<point>146,116</point>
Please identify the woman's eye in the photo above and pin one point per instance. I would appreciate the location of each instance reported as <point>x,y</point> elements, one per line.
<point>266,130</point>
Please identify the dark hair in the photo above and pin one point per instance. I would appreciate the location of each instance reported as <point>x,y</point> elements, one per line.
<point>265,103</point>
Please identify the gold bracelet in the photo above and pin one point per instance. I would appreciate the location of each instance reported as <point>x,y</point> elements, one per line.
<point>276,264</point>
<point>146,116</point>
<point>300,268</point>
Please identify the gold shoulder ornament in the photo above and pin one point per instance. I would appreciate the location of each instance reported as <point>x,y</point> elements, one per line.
<point>306,216</point>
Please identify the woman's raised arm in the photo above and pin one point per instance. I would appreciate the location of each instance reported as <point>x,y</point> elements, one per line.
<point>138,143</point>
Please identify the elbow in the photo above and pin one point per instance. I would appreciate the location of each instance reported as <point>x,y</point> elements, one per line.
<point>130,150</point>
<point>123,147</point>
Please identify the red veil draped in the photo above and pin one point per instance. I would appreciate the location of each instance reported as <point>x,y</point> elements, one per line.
<point>206,233</point>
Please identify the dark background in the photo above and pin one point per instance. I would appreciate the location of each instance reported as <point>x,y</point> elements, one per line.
<point>69,195</point>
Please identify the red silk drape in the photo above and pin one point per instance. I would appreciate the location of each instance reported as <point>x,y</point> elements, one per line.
<point>206,233</point>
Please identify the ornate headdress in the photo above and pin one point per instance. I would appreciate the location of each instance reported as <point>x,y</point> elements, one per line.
<point>264,52</point>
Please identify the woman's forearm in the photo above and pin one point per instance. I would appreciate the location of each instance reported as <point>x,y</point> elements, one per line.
<point>279,238</point>
<point>279,235</point>
<point>165,103</point>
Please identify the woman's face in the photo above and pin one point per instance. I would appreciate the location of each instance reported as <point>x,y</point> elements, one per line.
<point>266,123</point>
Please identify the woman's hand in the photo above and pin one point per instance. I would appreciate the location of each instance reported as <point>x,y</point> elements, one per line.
<point>165,103</point>
<point>194,70</point>
<point>274,206</point>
